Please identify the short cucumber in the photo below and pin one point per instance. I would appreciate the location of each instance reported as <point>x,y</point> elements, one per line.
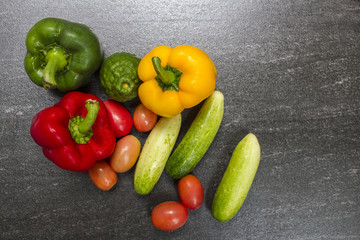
<point>155,153</point>
<point>237,179</point>
<point>198,138</point>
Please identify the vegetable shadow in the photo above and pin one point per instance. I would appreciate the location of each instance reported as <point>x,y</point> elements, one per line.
<point>56,93</point>
<point>164,190</point>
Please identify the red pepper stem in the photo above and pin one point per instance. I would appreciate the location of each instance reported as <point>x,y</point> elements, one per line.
<point>92,107</point>
<point>167,77</point>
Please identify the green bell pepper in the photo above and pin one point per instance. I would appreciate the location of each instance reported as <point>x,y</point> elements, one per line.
<point>119,78</point>
<point>61,54</point>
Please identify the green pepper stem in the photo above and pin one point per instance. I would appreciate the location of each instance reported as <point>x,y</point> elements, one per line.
<point>167,77</point>
<point>55,60</point>
<point>92,107</point>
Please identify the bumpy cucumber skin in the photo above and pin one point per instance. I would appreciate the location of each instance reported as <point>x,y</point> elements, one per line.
<point>198,138</point>
<point>155,153</point>
<point>237,179</point>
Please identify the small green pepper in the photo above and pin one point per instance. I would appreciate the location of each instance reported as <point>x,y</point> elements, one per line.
<point>61,54</point>
<point>118,76</point>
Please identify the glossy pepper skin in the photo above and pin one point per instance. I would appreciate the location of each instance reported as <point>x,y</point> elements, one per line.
<point>118,76</point>
<point>175,78</point>
<point>61,54</point>
<point>74,133</point>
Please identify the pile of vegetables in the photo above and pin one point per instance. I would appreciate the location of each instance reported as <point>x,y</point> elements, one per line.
<point>83,133</point>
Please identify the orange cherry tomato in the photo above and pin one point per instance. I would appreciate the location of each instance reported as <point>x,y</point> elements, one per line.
<point>102,175</point>
<point>169,216</point>
<point>144,119</point>
<point>126,153</point>
<point>191,192</point>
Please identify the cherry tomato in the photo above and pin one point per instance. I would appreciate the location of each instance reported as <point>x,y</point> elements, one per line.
<point>102,175</point>
<point>126,152</point>
<point>144,119</point>
<point>169,216</point>
<point>191,192</point>
<point>119,118</point>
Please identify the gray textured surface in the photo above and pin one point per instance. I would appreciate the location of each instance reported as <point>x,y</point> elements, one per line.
<point>290,73</point>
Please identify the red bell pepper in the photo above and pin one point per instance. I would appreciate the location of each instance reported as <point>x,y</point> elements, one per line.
<point>75,132</point>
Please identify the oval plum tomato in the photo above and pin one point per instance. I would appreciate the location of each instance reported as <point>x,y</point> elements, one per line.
<point>169,216</point>
<point>102,175</point>
<point>191,192</point>
<point>126,152</point>
<point>144,119</point>
<point>119,118</point>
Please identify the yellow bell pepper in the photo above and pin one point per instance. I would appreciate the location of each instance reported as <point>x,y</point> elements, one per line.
<point>175,79</point>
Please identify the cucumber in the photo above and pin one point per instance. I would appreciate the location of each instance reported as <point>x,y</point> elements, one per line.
<point>155,153</point>
<point>198,138</point>
<point>237,179</point>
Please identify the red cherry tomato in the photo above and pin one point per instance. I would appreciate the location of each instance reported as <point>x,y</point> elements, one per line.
<point>126,153</point>
<point>191,192</point>
<point>144,119</point>
<point>169,216</point>
<point>119,118</point>
<point>102,175</point>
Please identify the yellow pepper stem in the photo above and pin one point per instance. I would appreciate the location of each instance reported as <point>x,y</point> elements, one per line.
<point>168,78</point>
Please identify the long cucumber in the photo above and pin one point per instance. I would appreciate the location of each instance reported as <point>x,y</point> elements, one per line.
<point>237,179</point>
<point>155,153</point>
<point>198,138</point>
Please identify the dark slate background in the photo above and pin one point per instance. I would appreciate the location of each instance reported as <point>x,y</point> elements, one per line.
<point>290,74</point>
